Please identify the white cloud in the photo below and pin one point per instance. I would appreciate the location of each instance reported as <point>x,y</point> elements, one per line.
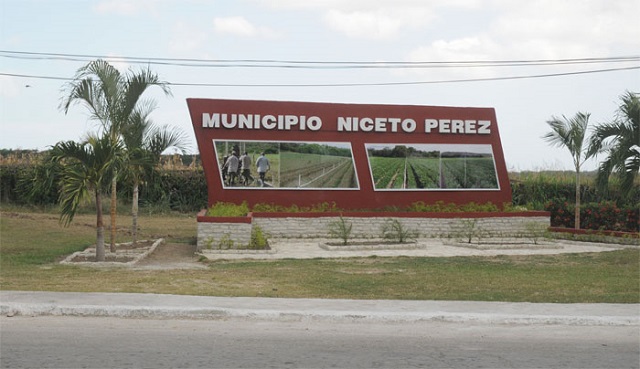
<point>9,86</point>
<point>186,39</point>
<point>368,5</point>
<point>119,63</point>
<point>240,26</point>
<point>234,25</point>
<point>374,19</point>
<point>540,29</point>
<point>125,7</point>
<point>376,25</point>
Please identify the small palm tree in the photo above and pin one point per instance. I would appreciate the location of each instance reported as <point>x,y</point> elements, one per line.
<point>111,98</point>
<point>145,143</point>
<point>571,133</point>
<point>86,167</point>
<point>620,139</point>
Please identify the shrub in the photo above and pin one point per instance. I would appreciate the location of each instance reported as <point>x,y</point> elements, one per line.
<point>393,229</point>
<point>258,239</point>
<point>341,229</point>
<point>228,209</point>
<point>597,216</point>
<point>323,207</point>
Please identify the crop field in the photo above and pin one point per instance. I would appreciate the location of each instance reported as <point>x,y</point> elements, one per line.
<point>468,173</point>
<point>388,173</point>
<point>300,170</point>
<point>432,173</point>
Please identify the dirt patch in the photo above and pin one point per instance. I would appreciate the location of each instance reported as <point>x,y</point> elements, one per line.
<point>172,256</point>
<point>152,254</point>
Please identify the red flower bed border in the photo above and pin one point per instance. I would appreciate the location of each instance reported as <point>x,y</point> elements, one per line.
<point>369,214</point>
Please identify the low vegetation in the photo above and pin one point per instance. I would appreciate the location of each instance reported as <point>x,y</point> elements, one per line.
<point>33,243</point>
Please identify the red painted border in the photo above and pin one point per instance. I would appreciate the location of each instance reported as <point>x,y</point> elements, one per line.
<point>370,214</point>
<point>202,218</point>
<point>366,196</point>
<point>386,214</point>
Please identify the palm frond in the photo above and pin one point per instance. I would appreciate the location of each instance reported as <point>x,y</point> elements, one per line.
<point>617,139</point>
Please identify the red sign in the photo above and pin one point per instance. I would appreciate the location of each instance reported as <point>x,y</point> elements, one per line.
<point>358,156</point>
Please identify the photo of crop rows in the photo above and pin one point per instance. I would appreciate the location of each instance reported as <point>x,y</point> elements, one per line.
<point>303,165</point>
<point>424,166</point>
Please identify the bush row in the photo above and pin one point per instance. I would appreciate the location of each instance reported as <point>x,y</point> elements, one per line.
<point>181,190</point>
<point>597,216</point>
<point>186,191</point>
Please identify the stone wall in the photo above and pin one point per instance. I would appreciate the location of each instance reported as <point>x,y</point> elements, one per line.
<point>424,227</point>
<point>222,236</point>
<point>223,233</point>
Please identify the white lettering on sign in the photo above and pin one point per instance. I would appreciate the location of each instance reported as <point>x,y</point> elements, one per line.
<point>287,122</point>
<point>255,121</point>
<point>355,124</point>
<point>458,126</point>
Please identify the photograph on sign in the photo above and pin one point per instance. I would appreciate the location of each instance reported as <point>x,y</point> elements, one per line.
<point>245,164</point>
<point>432,167</point>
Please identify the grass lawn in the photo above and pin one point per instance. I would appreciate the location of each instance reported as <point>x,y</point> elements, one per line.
<point>31,243</point>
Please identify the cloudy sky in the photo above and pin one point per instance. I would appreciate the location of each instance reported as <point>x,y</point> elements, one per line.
<point>237,34</point>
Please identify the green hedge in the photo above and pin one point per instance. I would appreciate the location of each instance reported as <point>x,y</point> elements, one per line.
<point>186,191</point>
<point>597,216</point>
<point>181,190</point>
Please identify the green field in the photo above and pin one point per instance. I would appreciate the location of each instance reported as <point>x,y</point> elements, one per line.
<point>301,170</point>
<point>433,173</point>
<point>33,242</point>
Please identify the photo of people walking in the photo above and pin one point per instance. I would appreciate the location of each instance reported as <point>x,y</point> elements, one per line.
<point>290,165</point>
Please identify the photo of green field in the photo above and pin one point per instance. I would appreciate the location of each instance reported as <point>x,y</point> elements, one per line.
<point>302,165</point>
<point>425,167</point>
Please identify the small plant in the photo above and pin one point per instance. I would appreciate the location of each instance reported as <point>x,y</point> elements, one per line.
<point>393,229</point>
<point>258,239</point>
<point>469,229</point>
<point>209,243</point>
<point>535,231</point>
<point>225,242</point>
<point>341,229</point>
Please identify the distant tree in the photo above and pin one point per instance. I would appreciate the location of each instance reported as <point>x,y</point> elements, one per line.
<point>571,133</point>
<point>620,140</point>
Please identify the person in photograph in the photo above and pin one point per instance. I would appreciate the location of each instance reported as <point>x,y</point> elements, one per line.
<point>263,166</point>
<point>245,166</point>
<point>223,167</point>
<point>232,165</point>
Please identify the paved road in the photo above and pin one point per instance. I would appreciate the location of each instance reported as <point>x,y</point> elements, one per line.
<point>91,342</point>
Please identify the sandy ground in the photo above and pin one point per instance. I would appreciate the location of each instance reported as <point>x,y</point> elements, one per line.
<point>172,256</point>
<point>183,256</point>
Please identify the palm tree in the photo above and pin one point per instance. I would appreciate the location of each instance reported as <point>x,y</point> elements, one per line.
<point>571,133</point>
<point>145,143</point>
<point>86,167</point>
<point>620,139</point>
<point>111,98</point>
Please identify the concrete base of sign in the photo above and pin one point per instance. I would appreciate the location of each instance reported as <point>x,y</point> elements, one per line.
<point>216,233</point>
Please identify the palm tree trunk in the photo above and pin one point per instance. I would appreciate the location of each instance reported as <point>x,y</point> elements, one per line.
<point>114,199</point>
<point>99,228</point>
<point>134,213</point>
<point>577,210</point>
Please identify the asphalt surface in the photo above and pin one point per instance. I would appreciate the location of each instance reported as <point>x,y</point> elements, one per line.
<point>126,305</point>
